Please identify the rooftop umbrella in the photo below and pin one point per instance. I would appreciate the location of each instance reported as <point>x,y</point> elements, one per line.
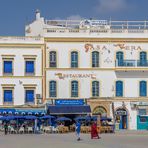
<point>87,118</point>
<point>47,117</point>
<point>19,117</point>
<point>30,117</point>
<point>7,118</point>
<point>63,119</point>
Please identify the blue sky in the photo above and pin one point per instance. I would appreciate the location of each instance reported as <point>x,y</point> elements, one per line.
<point>14,14</point>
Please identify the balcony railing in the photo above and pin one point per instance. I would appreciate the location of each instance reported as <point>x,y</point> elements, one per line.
<point>131,63</point>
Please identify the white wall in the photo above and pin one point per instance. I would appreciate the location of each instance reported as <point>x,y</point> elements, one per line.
<point>19,61</point>
<point>19,90</point>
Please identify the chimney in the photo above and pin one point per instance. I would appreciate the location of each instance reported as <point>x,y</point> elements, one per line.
<point>38,15</point>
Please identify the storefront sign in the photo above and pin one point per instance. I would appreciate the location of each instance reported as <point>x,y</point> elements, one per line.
<point>75,76</point>
<point>121,112</point>
<point>91,47</point>
<point>69,102</point>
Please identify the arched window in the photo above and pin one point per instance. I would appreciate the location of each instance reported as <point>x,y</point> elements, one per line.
<point>74,89</point>
<point>143,88</point>
<point>120,58</point>
<point>100,110</point>
<point>143,58</point>
<point>95,88</point>
<point>119,89</point>
<point>53,58</point>
<point>52,89</point>
<point>74,59</point>
<point>95,59</point>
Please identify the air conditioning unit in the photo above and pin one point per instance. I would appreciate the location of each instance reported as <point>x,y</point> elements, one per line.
<point>38,96</point>
<point>39,101</point>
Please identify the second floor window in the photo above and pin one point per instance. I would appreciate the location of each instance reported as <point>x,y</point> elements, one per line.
<point>120,58</point>
<point>143,88</point>
<point>95,88</point>
<point>8,67</point>
<point>95,59</point>
<point>52,89</point>
<point>119,89</point>
<point>74,89</point>
<point>53,58</point>
<point>29,69</point>
<point>74,59</point>
<point>143,58</point>
<point>29,96</point>
<point>8,96</point>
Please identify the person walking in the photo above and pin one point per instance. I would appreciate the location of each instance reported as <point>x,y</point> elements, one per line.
<point>94,131</point>
<point>6,128</point>
<point>78,130</point>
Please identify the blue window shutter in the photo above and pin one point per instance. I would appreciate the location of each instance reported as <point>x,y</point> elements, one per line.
<point>74,89</point>
<point>8,96</point>
<point>143,88</point>
<point>29,95</point>
<point>29,66</point>
<point>119,88</point>
<point>74,59</point>
<point>7,66</point>
<point>52,89</point>
<point>95,59</point>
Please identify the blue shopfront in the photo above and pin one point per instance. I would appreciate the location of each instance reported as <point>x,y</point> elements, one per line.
<point>142,120</point>
<point>69,107</point>
<point>121,118</point>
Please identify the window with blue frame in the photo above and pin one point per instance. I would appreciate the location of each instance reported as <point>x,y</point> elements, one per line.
<point>119,89</point>
<point>74,59</point>
<point>74,89</point>
<point>8,69</point>
<point>8,96</point>
<point>143,119</point>
<point>143,58</point>
<point>29,96</point>
<point>95,59</point>
<point>95,88</point>
<point>52,89</point>
<point>143,88</point>
<point>29,67</point>
<point>53,59</point>
<point>120,58</point>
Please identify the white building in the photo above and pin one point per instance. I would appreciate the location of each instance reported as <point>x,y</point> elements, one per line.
<point>21,71</point>
<point>103,63</point>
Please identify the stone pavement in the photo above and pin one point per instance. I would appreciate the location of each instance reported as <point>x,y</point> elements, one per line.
<point>121,139</point>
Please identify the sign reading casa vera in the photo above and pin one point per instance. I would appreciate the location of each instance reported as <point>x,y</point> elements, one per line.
<point>69,102</point>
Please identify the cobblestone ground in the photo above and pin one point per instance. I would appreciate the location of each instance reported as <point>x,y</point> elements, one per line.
<point>121,139</point>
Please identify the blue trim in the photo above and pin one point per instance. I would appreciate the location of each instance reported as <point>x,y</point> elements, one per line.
<point>8,96</point>
<point>7,66</point>
<point>53,88</point>
<point>95,59</point>
<point>119,89</point>
<point>74,59</point>
<point>29,96</point>
<point>143,88</point>
<point>29,66</point>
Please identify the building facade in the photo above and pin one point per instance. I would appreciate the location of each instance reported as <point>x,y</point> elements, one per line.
<point>105,63</point>
<point>21,72</point>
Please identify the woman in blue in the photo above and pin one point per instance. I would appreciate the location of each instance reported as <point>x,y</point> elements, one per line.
<point>78,130</point>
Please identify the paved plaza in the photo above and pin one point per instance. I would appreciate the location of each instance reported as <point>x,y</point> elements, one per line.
<point>122,139</point>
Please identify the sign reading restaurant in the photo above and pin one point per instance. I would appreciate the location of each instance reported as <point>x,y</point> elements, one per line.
<point>63,76</point>
<point>69,102</point>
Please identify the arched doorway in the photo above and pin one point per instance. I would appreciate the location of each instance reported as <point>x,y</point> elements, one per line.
<point>122,118</point>
<point>100,110</point>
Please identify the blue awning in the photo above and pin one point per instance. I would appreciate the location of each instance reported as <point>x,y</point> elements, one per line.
<point>7,111</point>
<point>30,111</point>
<point>59,109</point>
